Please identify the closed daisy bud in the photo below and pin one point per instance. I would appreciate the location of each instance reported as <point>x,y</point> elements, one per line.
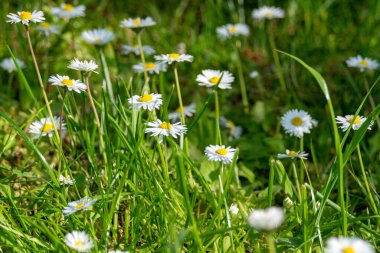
<point>229,30</point>
<point>75,206</point>
<point>148,101</point>
<point>220,153</point>
<point>356,122</point>
<point>209,78</point>
<point>173,57</point>
<point>70,84</point>
<point>296,122</point>
<point>267,12</point>
<point>9,65</point>
<point>288,203</point>
<point>160,128</point>
<point>79,241</point>
<point>266,219</point>
<point>68,11</point>
<point>234,209</point>
<point>25,17</point>
<point>66,180</point>
<point>362,63</point>
<point>348,245</point>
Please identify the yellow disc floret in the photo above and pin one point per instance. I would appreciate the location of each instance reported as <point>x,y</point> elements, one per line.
<point>68,7</point>
<point>232,29</point>
<point>47,127</point>
<point>348,250</point>
<point>149,65</point>
<point>174,56</point>
<point>25,15</point>
<point>146,98</point>
<point>165,125</point>
<point>292,153</point>
<point>222,151</point>
<point>137,22</point>
<point>214,79</point>
<point>363,63</point>
<point>297,121</point>
<point>355,121</point>
<point>45,25</point>
<point>67,82</point>
<point>79,206</point>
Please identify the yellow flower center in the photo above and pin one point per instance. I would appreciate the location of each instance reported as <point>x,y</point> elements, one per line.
<point>214,79</point>
<point>268,14</point>
<point>222,151</point>
<point>149,65</point>
<point>137,22</point>
<point>165,125</point>
<point>232,29</point>
<point>292,153</point>
<point>98,40</point>
<point>79,244</point>
<point>68,82</point>
<point>179,109</point>
<point>146,98</point>
<point>47,127</point>
<point>230,124</point>
<point>25,15</point>
<point>174,56</point>
<point>45,25</point>
<point>348,250</point>
<point>363,63</point>
<point>68,7</point>
<point>297,121</point>
<point>355,121</point>
<point>79,206</point>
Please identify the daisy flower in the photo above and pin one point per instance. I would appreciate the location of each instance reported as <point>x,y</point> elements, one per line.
<point>148,50</point>
<point>25,17</point>
<point>161,128</point>
<point>232,30</point>
<point>234,209</point>
<point>66,180</point>
<point>266,219</point>
<point>70,84</point>
<point>83,66</point>
<point>234,131</point>
<point>362,63</point>
<point>267,12</point>
<point>173,57</point>
<point>75,206</point>
<point>137,22</point>
<point>44,127</point>
<point>68,11</point>
<point>356,122</point>
<point>348,245</point>
<point>150,67</point>
<point>9,65</point>
<point>254,74</point>
<point>98,37</point>
<point>217,153</point>
<point>146,101</point>
<point>209,78</point>
<point>188,111</point>
<point>293,154</point>
<point>48,28</point>
<point>296,122</point>
<point>79,241</point>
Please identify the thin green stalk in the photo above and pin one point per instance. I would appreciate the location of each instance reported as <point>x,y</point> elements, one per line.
<point>142,56</point>
<point>243,88</point>
<point>270,242</point>
<point>270,184</point>
<point>106,75</point>
<point>371,100</point>
<point>163,162</point>
<point>305,218</point>
<point>60,134</point>
<point>372,201</point>
<point>218,136</point>
<point>42,84</point>
<point>297,182</point>
<point>275,57</point>
<point>302,173</point>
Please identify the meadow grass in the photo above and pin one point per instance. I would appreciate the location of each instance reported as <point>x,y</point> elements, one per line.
<point>154,196</point>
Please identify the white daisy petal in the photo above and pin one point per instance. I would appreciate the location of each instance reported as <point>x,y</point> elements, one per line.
<point>160,128</point>
<point>188,111</point>
<point>293,154</point>
<point>79,241</point>
<point>70,84</point>
<point>44,127</point>
<point>232,30</point>
<point>266,219</point>
<point>137,22</point>
<point>9,65</point>
<point>296,122</point>
<point>25,17</point>
<point>150,67</point>
<point>173,57</point>
<point>356,123</point>
<point>75,206</point>
<point>68,11</point>
<point>148,50</point>
<point>348,244</point>
<point>83,66</point>
<point>209,78</point>
<point>63,180</point>
<point>147,101</point>
<point>267,12</point>
<point>98,37</point>
<point>362,63</point>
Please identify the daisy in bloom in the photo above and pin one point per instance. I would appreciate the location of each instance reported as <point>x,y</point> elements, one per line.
<point>98,37</point>
<point>296,122</point>
<point>66,180</point>
<point>293,154</point>
<point>9,65</point>
<point>348,245</point>
<point>83,66</point>
<point>234,131</point>
<point>188,111</point>
<point>70,84</point>
<point>137,22</point>
<point>349,120</point>
<point>148,101</point>
<point>79,241</point>
<point>229,30</point>
<point>267,12</point>
<point>148,50</point>
<point>25,17</point>
<point>44,127</point>
<point>48,28</point>
<point>209,78</point>
<point>68,11</point>
<point>362,63</point>
<point>173,57</point>
<point>234,209</point>
<point>266,219</point>
<point>75,206</point>
<point>150,67</point>
<point>217,153</point>
<point>161,128</point>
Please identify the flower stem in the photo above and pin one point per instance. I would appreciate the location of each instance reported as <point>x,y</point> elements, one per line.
<point>142,56</point>
<point>218,137</point>
<point>372,201</point>
<point>182,141</point>
<point>275,57</point>
<point>106,75</point>
<point>371,100</point>
<point>270,241</point>
<point>42,85</point>
<point>243,89</point>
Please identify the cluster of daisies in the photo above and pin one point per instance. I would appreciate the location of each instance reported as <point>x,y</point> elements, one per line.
<point>295,122</point>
